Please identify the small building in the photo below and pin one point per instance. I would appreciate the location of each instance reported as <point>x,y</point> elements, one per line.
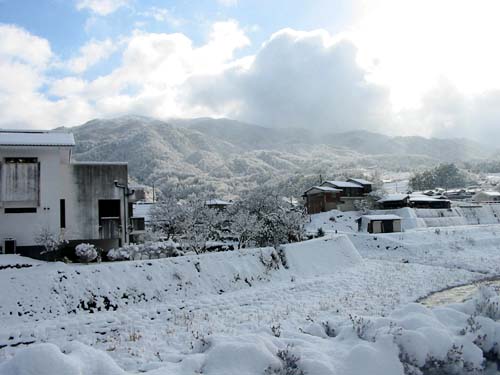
<point>458,194</point>
<point>218,204</point>
<point>321,199</point>
<point>379,223</point>
<point>393,201</point>
<point>43,191</point>
<point>486,197</point>
<point>423,201</point>
<point>367,185</point>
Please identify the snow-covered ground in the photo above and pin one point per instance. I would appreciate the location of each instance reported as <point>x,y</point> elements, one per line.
<point>340,304</point>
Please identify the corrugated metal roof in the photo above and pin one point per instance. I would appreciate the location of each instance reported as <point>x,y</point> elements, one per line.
<point>35,138</point>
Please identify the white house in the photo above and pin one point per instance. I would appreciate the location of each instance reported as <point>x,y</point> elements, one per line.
<point>487,197</point>
<point>43,190</point>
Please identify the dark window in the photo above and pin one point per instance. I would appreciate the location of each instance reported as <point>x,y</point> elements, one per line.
<point>20,210</point>
<point>109,208</point>
<point>62,212</point>
<point>20,160</point>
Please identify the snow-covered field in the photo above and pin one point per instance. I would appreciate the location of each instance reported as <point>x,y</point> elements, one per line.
<point>340,304</point>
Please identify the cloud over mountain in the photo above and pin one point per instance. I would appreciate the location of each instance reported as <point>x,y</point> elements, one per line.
<point>297,79</point>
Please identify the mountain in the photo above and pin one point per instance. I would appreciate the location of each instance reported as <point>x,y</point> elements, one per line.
<point>226,157</point>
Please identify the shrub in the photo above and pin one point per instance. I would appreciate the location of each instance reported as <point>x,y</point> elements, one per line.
<point>289,363</point>
<point>86,252</point>
<point>320,232</point>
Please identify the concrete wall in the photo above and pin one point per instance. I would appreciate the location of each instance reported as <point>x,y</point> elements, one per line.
<point>88,183</point>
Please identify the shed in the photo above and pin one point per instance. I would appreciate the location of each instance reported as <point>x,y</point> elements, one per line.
<point>392,201</point>
<point>218,204</point>
<point>379,223</point>
<point>423,201</point>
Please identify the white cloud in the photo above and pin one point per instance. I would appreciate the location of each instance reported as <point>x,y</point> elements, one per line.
<point>305,79</point>
<point>162,15</point>
<point>19,45</point>
<point>298,79</point>
<point>101,7</point>
<point>90,54</point>
<point>153,71</point>
<point>410,45</point>
<point>448,113</point>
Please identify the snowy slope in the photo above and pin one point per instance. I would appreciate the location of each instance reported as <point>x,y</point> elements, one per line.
<point>458,338</point>
<point>171,309</point>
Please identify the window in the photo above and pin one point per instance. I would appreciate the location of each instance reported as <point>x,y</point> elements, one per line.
<point>62,213</point>
<point>20,182</point>
<point>20,210</point>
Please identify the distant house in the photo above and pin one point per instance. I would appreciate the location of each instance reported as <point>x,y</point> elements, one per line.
<point>340,195</point>
<point>43,190</point>
<point>218,204</point>
<point>393,201</point>
<point>379,223</point>
<point>367,185</point>
<point>423,201</point>
<point>459,194</point>
<point>321,199</point>
<point>486,197</point>
<point>349,189</point>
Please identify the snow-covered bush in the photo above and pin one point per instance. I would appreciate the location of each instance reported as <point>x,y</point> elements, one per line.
<point>149,250</point>
<point>86,252</point>
<point>289,363</point>
<point>49,240</point>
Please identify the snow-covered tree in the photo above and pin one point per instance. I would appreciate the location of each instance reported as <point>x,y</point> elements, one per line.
<point>49,240</point>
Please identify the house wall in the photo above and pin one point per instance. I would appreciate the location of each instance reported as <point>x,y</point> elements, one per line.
<point>322,202</point>
<point>80,185</point>
<point>24,226</point>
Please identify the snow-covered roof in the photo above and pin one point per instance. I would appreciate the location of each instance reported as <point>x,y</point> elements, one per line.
<point>393,198</point>
<point>381,217</point>
<point>342,184</point>
<point>425,198</point>
<point>35,138</point>
<point>490,193</point>
<point>323,188</point>
<point>217,202</point>
<point>361,181</point>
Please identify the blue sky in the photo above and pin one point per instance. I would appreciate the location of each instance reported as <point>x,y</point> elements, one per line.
<point>395,66</point>
<point>67,27</point>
